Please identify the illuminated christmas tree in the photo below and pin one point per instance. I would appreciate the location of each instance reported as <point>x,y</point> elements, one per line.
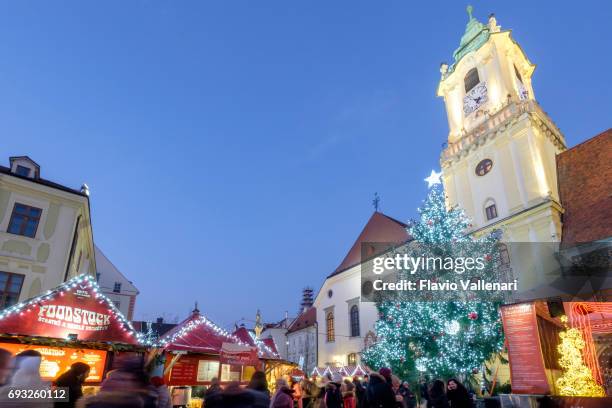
<point>577,379</point>
<point>440,338</point>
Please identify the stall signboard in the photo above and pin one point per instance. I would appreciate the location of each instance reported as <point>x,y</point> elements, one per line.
<point>192,370</point>
<point>74,310</point>
<point>237,354</point>
<point>527,372</point>
<point>57,360</point>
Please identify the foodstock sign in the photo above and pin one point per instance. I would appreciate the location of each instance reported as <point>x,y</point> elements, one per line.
<point>74,310</point>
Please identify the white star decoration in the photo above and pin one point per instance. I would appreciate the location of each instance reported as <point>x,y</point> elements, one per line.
<point>433,179</point>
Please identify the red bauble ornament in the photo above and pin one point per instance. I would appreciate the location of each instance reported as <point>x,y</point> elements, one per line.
<point>430,222</point>
<point>473,315</point>
<point>488,257</point>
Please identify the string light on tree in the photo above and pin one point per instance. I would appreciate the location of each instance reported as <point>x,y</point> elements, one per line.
<point>577,379</point>
<point>440,338</point>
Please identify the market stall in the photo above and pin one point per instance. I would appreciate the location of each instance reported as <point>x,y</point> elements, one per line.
<point>196,351</point>
<point>72,323</point>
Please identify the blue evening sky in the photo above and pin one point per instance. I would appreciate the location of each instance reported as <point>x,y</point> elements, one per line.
<point>233,148</point>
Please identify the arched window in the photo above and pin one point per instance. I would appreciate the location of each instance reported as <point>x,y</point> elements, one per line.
<point>354,317</point>
<point>331,334</point>
<point>471,79</point>
<point>490,209</point>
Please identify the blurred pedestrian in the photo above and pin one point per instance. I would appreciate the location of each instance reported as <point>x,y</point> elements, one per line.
<point>437,396</point>
<point>258,386</point>
<point>73,380</point>
<point>26,376</point>
<point>407,395</point>
<point>163,395</point>
<point>283,397</point>
<point>458,396</point>
<point>348,394</point>
<point>297,392</point>
<point>380,390</point>
<point>6,366</point>
<point>127,380</point>
<point>360,392</point>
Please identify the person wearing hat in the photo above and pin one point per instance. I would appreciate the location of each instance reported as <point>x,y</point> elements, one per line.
<point>380,392</point>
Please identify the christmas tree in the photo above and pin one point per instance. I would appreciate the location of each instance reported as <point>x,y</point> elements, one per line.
<point>453,333</point>
<point>577,379</point>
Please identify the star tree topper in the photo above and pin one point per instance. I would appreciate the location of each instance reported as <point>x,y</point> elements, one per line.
<point>433,179</point>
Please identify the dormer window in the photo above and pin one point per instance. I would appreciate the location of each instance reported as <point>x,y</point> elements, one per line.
<point>471,79</point>
<point>23,171</point>
<point>24,166</point>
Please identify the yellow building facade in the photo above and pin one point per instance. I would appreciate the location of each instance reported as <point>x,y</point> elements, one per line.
<point>45,232</point>
<point>499,164</point>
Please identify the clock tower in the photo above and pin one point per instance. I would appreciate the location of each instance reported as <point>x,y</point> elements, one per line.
<point>499,164</point>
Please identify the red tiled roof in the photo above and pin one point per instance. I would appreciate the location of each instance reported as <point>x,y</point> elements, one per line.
<point>306,319</point>
<point>585,175</point>
<point>380,228</point>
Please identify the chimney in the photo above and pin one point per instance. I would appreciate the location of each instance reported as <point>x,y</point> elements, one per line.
<point>159,320</point>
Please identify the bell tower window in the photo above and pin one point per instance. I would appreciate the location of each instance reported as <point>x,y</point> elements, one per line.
<point>471,79</point>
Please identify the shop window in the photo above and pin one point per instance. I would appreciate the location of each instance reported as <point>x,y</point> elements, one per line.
<point>354,318</point>
<point>207,370</point>
<point>24,220</point>
<point>331,335</point>
<point>352,359</point>
<point>10,288</point>
<point>230,372</point>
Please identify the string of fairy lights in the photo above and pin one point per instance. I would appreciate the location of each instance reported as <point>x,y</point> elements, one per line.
<point>89,282</point>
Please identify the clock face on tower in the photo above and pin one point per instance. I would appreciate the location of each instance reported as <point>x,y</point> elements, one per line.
<point>475,98</point>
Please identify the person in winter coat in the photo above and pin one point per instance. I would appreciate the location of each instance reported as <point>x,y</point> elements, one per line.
<point>6,366</point>
<point>407,395</point>
<point>232,396</point>
<point>457,394</point>
<point>128,379</point>
<point>437,397</point>
<point>297,392</point>
<point>380,391</point>
<point>163,395</point>
<point>283,397</point>
<point>258,387</point>
<point>360,393</point>
<point>310,392</point>
<point>333,396</point>
<point>72,379</point>
<point>25,377</point>
<point>348,394</point>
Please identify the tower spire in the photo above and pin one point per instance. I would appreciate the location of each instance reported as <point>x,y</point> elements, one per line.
<point>470,9</point>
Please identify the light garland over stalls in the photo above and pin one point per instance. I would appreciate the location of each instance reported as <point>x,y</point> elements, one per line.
<point>201,320</point>
<point>68,286</point>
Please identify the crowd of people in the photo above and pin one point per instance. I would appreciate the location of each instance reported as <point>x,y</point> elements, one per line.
<point>379,389</point>
<point>129,386</point>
